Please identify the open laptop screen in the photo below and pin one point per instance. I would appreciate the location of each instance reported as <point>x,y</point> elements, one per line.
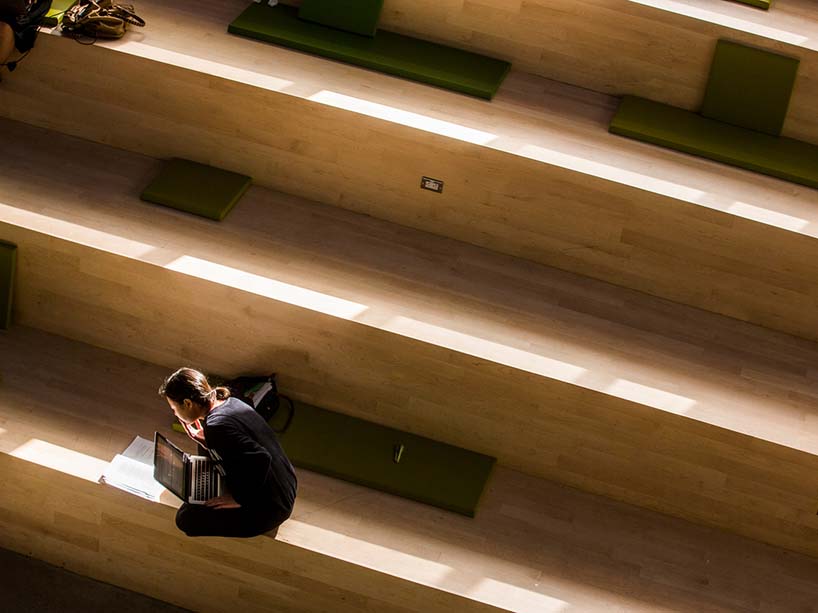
<point>168,465</point>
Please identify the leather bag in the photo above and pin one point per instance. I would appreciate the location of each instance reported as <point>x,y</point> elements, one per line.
<point>100,19</point>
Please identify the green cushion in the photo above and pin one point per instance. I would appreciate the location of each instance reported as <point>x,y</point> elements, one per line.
<point>359,16</point>
<point>762,4</point>
<point>362,452</point>
<point>686,131</point>
<point>8,265</point>
<point>58,8</point>
<point>197,188</point>
<point>749,87</point>
<point>387,52</point>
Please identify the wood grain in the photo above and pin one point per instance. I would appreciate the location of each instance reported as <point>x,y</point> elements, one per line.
<point>597,387</point>
<point>657,49</point>
<point>534,545</point>
<point>534,174</point>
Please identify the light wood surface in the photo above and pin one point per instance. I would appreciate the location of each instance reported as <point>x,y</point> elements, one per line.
<point>534,173</point>
<point>658,49</point>
<point>597,387</point>
<point>67,408</point>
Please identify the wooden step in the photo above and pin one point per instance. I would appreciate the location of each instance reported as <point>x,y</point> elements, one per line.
<point>533,174</point>
<point>657,49</point>
<point>562,377</point>
<point>66,408</point>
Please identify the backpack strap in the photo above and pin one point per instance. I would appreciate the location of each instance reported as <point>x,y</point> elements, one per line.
<point>290,415</point>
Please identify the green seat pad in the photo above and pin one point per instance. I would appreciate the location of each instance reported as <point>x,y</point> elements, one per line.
<point>359,16</point>
<point>8,265</point>
<point>387,52</point>
<point>762,4</point>
<point>58,8</point>
<point>362,452</point>
<point>197,188</point>
<point>686,131</point>
<point>749,87</point>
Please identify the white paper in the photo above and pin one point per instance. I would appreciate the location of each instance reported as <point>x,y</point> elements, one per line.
<point>133,476</point>
<point>260,392</point>
<point>141,450</point>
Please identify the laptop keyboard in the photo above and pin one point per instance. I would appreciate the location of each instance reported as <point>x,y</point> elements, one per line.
<point>202,485</point>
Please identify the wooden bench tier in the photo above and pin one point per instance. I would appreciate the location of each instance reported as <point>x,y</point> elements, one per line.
<point>656,49</point>
<point>66,408</point>
<point>762,4</point>
<point>387,52</point>
<point>533,174</point>
<point>674,128</point>
<point>560,376</point>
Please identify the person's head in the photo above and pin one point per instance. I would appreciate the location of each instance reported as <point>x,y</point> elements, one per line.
<point>190,395</point>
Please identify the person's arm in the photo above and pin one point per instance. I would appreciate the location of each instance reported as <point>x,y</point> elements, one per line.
<point>195,432</point>
<point>222,502</point>
<point>246,463</point>
<point>6,42</point>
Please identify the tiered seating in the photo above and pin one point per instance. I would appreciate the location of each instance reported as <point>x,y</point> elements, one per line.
<point>565,378</point>
<point>534,177</point>
<point>391,53</point>
<point>655,49</point>
<point>591,385</point>
<point>668,126</point>
<point>534,546</point>
<point>744,109</point>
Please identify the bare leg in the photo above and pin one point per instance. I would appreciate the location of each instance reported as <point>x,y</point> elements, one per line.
<point>6,42</point>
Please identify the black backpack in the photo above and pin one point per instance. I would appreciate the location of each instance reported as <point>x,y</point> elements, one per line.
<point>261,393</point>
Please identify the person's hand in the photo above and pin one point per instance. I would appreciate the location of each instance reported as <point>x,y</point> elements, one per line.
<point>222,502</point>
<point>195,431</point>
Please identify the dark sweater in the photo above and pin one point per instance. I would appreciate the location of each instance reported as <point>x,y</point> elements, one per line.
<point>23,20</point>
<point>11,11</point>
<point>259,476</point>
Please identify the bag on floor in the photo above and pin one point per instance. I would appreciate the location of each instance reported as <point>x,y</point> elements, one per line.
<point>261,393</point>
<point>100,19</point>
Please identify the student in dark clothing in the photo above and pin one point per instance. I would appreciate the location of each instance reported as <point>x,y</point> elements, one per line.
<point>260,479</point>
<point>18,26</point>
<point>6,39</point>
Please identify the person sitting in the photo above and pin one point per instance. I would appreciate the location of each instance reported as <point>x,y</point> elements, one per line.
<point>260,479</point>
<point>19,22</point>
<point>6,42</point>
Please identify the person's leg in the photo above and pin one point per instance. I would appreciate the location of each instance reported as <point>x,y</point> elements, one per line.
<point>199,520</point>
<point>6,42</point>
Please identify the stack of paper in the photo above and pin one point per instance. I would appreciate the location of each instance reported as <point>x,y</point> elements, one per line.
<point>132,470</point>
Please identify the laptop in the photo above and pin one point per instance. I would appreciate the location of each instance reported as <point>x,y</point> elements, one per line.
<point>193,478</point>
